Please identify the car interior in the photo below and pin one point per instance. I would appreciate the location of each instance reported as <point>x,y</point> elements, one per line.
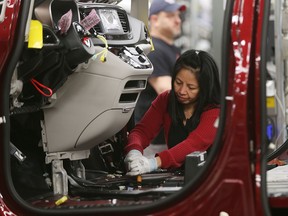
<point>82,68</point>
<point>72,97</point>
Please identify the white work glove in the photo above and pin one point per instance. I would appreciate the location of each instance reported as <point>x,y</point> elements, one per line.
<point>141,165</point>
<point>131,156</point>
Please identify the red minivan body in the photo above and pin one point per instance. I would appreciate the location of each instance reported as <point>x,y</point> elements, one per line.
<point>234,179</point>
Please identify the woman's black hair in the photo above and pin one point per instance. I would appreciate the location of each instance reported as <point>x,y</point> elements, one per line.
<point>206,71</point>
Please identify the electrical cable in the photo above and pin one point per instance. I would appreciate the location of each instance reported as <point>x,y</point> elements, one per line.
<point>278,151</point>
<point>283,112</point>
<point>103,53</point>
<point>39,85</point>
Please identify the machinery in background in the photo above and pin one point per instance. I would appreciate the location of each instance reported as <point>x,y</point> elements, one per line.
<point>277,80</point>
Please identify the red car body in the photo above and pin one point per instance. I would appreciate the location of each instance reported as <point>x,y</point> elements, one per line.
<point>234,180</point>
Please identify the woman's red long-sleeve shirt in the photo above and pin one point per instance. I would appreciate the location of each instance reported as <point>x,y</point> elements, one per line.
<point>157,116</point>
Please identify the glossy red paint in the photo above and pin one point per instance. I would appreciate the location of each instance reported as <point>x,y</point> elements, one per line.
<point>7,29</point>
<point>231,185</point>
<point>7,37</point>
<point>4,210</point>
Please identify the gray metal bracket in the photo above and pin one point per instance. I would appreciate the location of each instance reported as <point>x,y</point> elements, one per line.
<point>60,178</point>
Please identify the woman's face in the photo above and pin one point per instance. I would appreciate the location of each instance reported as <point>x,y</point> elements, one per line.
<point>186,87</point>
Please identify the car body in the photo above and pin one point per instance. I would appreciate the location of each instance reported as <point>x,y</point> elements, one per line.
<point>233,178</point>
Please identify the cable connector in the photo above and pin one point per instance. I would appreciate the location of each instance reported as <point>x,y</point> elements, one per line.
<point>103,58</point>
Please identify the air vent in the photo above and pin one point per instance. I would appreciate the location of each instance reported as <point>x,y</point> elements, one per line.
<point>98,29</point>
<point>124,21</point>
<point>107,1</point>
<point>128,98</point>
<point>135,84</point>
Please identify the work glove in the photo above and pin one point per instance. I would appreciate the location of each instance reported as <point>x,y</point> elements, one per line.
<point>131,156</point>
<point>141,165</point>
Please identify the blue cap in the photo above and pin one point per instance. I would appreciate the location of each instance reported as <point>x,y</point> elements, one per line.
<point>166,6</point>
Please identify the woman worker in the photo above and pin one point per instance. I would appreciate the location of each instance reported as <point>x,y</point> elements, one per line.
<point>188,114</point>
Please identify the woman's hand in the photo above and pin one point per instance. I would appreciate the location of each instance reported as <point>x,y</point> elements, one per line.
<point>141,165</point>
<point>131,156</point>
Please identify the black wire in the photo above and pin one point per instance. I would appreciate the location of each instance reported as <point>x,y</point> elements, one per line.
<point>278,151</point>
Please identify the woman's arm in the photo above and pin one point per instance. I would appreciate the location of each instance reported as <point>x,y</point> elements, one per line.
<point>149,126</point>
<point>199,139</point>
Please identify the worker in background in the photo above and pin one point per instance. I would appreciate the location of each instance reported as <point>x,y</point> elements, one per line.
<point>188,113</point>
<point>165,27</point>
